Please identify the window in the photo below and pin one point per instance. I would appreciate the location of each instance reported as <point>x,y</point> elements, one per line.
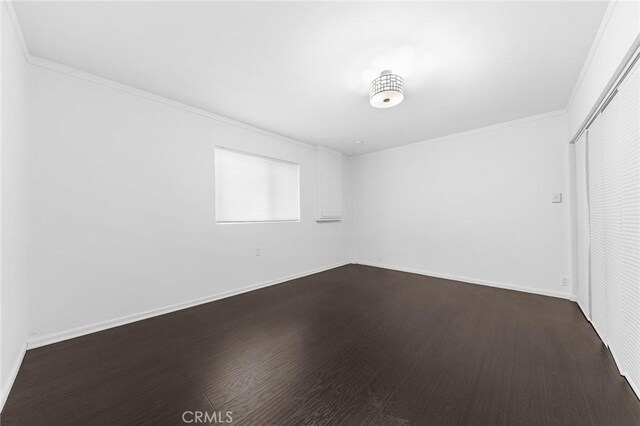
<point>251,188</point>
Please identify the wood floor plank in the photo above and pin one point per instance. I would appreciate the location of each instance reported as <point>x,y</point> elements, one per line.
<point>527,402</point>
<point>566,402</point>
<point>334,398</point>
<point>353,345</point>
<point>449,403</point>
<point>371,399</point>
<point>427,386</point>
<point>487,396</point>
<point>352,358</point>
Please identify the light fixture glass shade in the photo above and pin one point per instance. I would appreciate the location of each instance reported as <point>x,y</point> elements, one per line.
<point>386,91</point>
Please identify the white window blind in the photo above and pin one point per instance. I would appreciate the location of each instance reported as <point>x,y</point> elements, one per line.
<point>611,198</point>
<point>621,120</point>
<point>582,218</point>
<point>597,228</point>
<point>252,188</point>
<point>610,171</point>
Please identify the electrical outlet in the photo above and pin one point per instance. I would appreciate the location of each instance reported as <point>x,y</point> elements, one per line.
<point>258,251</point>
<point>565,282</point>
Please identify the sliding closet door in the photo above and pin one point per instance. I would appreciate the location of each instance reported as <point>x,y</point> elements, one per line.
<point>621,119</point>
<point>629,101</point>
<point>582,218</point>
<point>612,163</point>
<point>613,196</point>
<point>597,209</point>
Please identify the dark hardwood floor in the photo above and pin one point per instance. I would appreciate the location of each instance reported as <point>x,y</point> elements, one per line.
<point>353,345</point>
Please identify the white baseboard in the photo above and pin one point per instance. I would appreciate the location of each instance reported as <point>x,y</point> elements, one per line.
<point>623,373</point>
<point>634,387</point>
<point>80,331</point>
<point>584,312</point>
<point>116,322</point>
<point>617,362</point>
<point>12,377</point>
<point>468,280</point>
<point>600,335</point>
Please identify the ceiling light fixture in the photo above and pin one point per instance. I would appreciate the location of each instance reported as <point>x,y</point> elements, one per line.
<point>386,91</point>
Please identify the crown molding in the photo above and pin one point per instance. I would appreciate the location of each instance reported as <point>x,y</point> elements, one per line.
<point>471,132</point>
<point>105,82</point>
<point>592,50</point>
<point>11,13</point>
<point>93,78</point>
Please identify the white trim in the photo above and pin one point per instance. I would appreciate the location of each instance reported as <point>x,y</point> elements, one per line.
<point>468,280</point>
<point>623,373</point>
<point>583,311</point>
<point>609,89</point>
<point>618,363</point>
<point>4,391</point>
<point>58,67</point>
<point>600,335</point>
<point>18,29</point>
<point>634,387</point>
<point>127,319</point>
<point>471,132</point>
<point>324,148</point>
<point>252,154</point>
<point>93,78</point>
<point>12,376</point>
<point>592,50</point>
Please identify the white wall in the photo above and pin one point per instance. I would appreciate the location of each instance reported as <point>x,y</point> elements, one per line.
<point>122,213</point>
<point>617,38</point>
<point>476,206</point>
<point>13,151</point>
<point>120,193</point>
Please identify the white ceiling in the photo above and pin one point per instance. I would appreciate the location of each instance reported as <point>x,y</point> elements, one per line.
<point>303,69</point>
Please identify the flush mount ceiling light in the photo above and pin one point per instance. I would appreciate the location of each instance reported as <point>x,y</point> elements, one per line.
<point>386,91</point>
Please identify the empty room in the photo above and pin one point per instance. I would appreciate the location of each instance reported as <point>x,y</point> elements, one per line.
<point>320,212</point>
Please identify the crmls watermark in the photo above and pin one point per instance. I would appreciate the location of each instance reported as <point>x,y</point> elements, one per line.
<point>207,417</point>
